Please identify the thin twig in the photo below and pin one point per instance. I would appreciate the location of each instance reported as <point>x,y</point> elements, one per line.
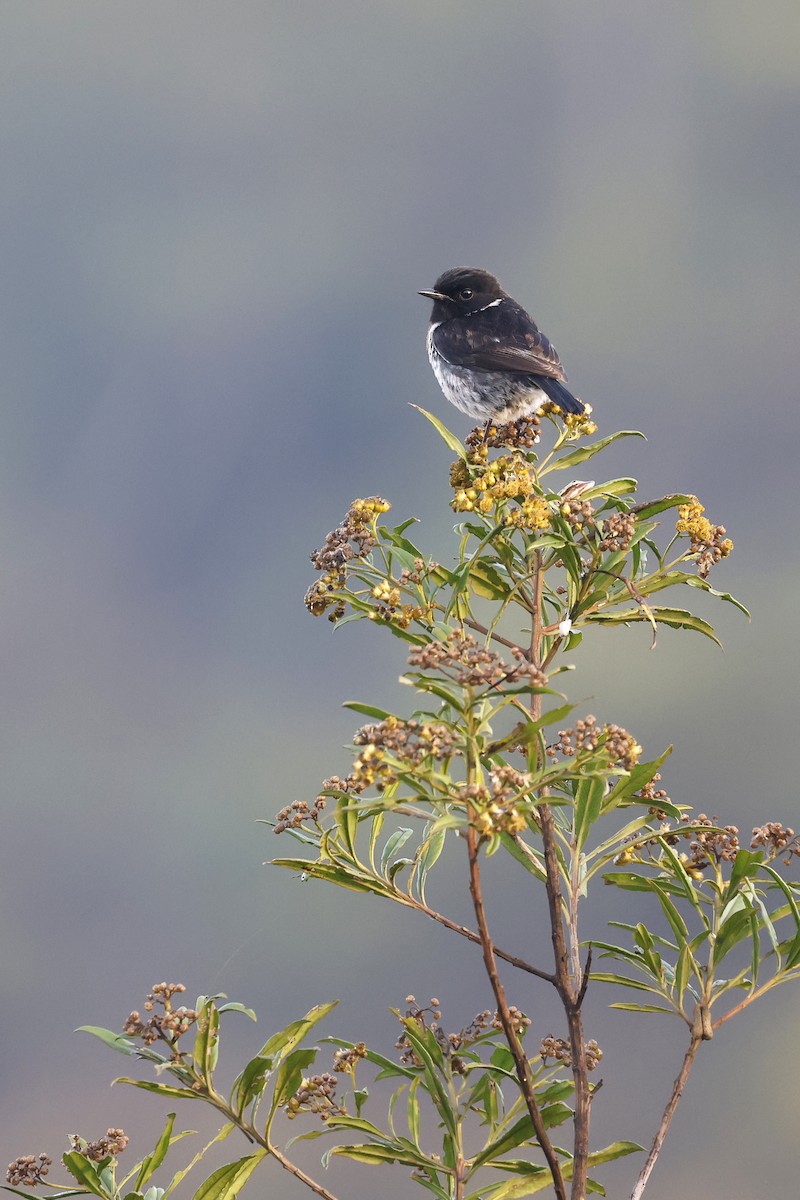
<point>514,1044</point>
<point>471,936</point>
<point>669,1112</point>
<point>566,953</point>
<point>263,1140</point>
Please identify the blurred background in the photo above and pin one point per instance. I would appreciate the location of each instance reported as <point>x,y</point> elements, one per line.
<point>214,222</point>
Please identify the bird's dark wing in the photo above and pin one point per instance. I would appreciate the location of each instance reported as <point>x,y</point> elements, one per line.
<point>503,338</point>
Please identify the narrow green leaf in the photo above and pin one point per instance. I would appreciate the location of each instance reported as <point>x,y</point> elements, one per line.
<point>653,507</point>
<point>704,585</point>
<point>367,710</point>
<point>583,453</point>
<point>250,1083</point>
<point>746,865</point>
<point>615,1150</point>
<point>588,805</point>
<point>285,1040</point>
<point>335,873</point>
<point>115,1040</point>
<point>289,1074</point>
<point>676,921</point>
<point>450,438</point>
<point>227,1181</point>
<point>644,1008</point>
<point>428,853</point>
<point>394,843</point>
<point>614,487</point>
<point>626,787</point>
<point>160,1089</point>
<point>84,1172</point>
<point>153,1161</point>
<point>676,618</point>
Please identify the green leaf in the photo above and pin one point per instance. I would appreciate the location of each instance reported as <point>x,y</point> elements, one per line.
<point>583,453</point>
<point>626,787</point>
<point>644,1008</point>
<point>61,1195</point>
<point>160,1089</point>
<point>746,865</point>
<point>250,1083</point>
<point>285,1040</point>
<point>696,582</point>
<point>450,438</point>
<point>615,1150</point>
<point>676,921</point>
<point>84,1172</point>
<point>588,805</point>
<point>676,618</point>
<point>227,1181</point>
<point>335,873</point>
<point>289,1075</point>
<point>394,843</point>
<point>427,855</point>
<point>614,487</point>
<point>653,507</point>
<point>115,1040</point>
<point>153,1161</point>
<point>367,710</point>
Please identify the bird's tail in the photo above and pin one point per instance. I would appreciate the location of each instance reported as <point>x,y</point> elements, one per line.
<point>560,396</point>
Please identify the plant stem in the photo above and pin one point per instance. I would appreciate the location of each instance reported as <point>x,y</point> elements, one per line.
<point>669,1112</point>
<point>261,1139</point>
<point>521,1063</point>
<point>566,944</point>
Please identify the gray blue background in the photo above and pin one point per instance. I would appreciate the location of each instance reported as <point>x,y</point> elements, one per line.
<point>214,222</point>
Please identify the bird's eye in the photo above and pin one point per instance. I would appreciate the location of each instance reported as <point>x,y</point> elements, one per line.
<point>465,293</point>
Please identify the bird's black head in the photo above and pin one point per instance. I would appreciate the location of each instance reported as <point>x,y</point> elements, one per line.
<point>462,291</point>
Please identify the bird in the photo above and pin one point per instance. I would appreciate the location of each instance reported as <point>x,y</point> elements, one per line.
<point>491,359</point>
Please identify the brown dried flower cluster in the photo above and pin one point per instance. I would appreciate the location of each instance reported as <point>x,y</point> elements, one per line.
<point>110,1146</point>
<point>28,1170</point>
<point>522,434</point>
<point>170,1024</point>
<point>776,839</point>
<point>409,742</point>
<point>560,1051</point>
<point>708,542</point>
<point>579,514</point>
<point>651,794</point>
<point>618,531</point>
<point>720,843</point>
<point>472,664</point>
<point>584,736</point>
<point>316,1095</point>
<point>620,747</point>
<point>299,811</point>
<point>495,810</point>
<point>346,1059</point>
<point>353,539</point>
<point>428,1017</point>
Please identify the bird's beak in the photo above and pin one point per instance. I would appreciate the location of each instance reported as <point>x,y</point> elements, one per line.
<point>434,295</point>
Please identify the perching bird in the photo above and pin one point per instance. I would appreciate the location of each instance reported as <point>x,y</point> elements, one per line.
<point>488,354</point>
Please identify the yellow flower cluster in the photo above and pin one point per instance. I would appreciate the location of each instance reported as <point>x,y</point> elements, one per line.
<point>708,541</point>
<point>365,510</point>
<point>692,521</point>
<point>487,487</point>
<point>576,424</point>
<point>370,768</point>
<point>389,607</point>
<point>496,819</point>
<point>533,513</point>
